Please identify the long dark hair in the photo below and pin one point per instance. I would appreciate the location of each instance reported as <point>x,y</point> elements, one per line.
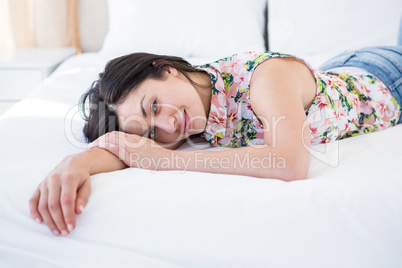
<point>120,77</point>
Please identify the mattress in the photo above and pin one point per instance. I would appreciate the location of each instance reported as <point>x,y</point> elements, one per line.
<point>348,213</point>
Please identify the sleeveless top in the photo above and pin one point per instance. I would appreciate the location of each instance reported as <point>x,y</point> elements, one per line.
<point>345,105</point>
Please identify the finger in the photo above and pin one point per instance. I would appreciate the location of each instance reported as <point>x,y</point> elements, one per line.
<point>44,211</point>
<point>117,150</point>
<point>83,196</point>
<point>131,140</point>
<point>124,148</point>
<point>118,138</point>
<point>111,147</point>
<point>108,141</point>
<point>115,138</point>
<point>55,207</point>
<point>104,139</point>
<point>33,206</point>
<point>100,140</point>
<point>67,201</point>
<point>93,144</point>
<point>119,144</point>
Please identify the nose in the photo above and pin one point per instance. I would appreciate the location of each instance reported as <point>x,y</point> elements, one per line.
<point>167,123</point>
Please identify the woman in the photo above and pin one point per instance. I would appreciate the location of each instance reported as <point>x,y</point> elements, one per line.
<point>263,105</point>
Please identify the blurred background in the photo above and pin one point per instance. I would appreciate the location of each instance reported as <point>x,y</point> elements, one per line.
<point>53,23</point>
<point>294,25</point>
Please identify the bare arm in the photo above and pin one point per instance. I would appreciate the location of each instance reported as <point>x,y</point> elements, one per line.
<point>260,161</point>
<point>100,161</point>
<point>65,191</point>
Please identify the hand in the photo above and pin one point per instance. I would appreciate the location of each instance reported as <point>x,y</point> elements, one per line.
<point>64,192</point>
<point>133,150</point>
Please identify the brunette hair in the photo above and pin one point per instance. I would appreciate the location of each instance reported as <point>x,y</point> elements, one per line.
<point>120,77</point>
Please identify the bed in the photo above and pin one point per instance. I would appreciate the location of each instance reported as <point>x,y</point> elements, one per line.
<point>348,213</point>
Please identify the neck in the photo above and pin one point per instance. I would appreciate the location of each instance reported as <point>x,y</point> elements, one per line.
<point>204,90</point>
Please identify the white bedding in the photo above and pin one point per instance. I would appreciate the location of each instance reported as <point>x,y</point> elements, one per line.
<point>348,213</point>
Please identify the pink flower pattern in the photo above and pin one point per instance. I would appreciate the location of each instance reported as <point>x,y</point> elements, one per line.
<point>345,104</point>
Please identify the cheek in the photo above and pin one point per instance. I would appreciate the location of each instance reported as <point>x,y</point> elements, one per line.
<point>132,124</point>
<point>199,123</point>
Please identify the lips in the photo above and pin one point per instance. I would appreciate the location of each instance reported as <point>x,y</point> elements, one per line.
<point>187,120</point>
<point>184,124</point>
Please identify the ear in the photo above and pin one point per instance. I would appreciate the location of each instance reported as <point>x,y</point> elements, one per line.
<point>171,70</point>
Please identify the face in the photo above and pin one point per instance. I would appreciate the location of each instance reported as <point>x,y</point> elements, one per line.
<point>167,110</point>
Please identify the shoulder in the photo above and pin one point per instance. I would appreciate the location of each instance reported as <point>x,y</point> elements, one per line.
<point>279,76</point>
<point>282,72</point>
<point>284,66</point>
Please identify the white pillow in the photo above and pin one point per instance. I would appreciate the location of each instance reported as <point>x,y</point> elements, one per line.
<point>186,28</point>
<point>308,27</point>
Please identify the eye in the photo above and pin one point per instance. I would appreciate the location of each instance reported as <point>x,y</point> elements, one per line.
<point>154,107</point>
<point>152,134</point>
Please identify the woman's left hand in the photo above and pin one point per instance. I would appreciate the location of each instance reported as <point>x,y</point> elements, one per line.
<point>133,150</point>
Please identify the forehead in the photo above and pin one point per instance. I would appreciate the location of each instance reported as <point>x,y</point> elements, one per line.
<point>130,117</point>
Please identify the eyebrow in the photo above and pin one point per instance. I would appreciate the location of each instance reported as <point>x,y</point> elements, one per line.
<point>144,113</point>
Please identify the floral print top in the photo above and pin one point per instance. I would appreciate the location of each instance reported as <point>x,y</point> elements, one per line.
<point>345,104</point>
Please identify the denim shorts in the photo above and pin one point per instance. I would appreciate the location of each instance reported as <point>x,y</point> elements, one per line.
<point>383,62</point>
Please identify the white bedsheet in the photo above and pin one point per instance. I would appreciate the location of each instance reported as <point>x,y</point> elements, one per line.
<point>348,213</point>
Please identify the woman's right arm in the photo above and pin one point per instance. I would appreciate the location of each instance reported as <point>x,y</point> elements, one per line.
<point>65,191</point>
